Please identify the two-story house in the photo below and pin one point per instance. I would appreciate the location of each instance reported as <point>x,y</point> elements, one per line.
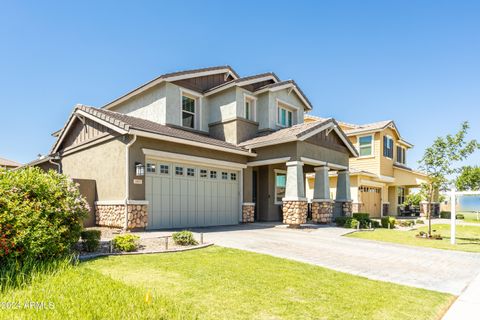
<point>379,177</point>
<point>205,147</point>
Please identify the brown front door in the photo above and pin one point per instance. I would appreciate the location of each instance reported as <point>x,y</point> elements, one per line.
<point>371,198</point>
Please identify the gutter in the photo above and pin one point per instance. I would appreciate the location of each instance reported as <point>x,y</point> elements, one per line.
<point>127,177</point>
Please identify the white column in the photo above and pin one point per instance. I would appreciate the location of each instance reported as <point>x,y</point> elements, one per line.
<point>343,186</point>
<point>295,187</point>
<point>321,189</point>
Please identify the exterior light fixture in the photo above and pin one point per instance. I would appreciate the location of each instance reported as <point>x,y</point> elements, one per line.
<point>139,169</point>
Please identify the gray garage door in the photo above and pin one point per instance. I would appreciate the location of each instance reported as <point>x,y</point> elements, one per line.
<point>182,195</point>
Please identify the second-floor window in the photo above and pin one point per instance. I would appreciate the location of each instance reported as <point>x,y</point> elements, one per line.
<point>365,146</point>
<point>401,155</point>
<point>285,117</point>
<point>249,108</point>
<point>188,111</point>
<point>388,147</point>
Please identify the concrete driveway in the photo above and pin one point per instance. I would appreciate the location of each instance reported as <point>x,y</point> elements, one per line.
<point>433,269</point>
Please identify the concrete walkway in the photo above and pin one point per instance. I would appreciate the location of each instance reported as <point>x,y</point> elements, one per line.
<point>466,306</point>
<point>433,269</point>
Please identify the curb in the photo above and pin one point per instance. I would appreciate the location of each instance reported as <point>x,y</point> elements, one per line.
<point>93,256</point>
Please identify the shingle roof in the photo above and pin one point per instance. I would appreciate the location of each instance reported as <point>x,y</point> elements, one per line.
<point>9,163</point>
<point>126,122</point>
<point>256,76</point>
<point>369,126</point>
<point>296,131</point>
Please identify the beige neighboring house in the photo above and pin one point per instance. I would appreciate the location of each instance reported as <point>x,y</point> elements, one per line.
<point>9,164</point>
<point>204,147</point>
<point>379,178</point>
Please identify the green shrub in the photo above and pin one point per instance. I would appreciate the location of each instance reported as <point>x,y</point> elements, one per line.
<point>460,216</point>
<point>184,238</point>
<point>375,223</point>
<point>340,221</point>
<point>363,219</point>
<point>419,221</point>
<point>126,242</point>
<point>386,221</point>
<point>41,216</point>
<point>445,214</point>
<point>351,223</point>
<point>91,240</point>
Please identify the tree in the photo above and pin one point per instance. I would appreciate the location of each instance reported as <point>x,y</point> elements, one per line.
<point>439,161</point>
<point>469,179</point>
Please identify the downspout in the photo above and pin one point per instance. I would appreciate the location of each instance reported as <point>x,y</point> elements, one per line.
<point>59,165</point>
<point>127,177</point>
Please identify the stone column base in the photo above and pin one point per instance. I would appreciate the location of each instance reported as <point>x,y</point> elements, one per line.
<point>248,212</point>
<point>346,208</point>
<point>322,211</point>
<point>294,212</point>
<point>113,215</point>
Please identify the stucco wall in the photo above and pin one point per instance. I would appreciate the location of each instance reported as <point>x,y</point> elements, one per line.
<point>221,106</point>
<point>284,96</point>
<point>104,163</point>
<point>150,105</point>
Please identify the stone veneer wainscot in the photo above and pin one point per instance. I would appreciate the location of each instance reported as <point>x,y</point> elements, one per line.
<point>113,215</point>
<point>294,212</point>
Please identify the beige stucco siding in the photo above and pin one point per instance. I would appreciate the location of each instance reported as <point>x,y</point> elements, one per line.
<point>289,98</point>
<point>221,106</point>
<point>149,105</point>
<point>104,163</point>
<point>408,178</point>
<point>369,163</point>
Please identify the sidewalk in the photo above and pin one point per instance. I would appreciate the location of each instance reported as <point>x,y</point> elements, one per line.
<point>466,306</point>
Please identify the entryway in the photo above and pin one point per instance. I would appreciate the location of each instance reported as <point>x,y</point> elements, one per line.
<point>371,199</point>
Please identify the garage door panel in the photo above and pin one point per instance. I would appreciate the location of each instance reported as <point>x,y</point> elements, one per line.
<point>200,198</point>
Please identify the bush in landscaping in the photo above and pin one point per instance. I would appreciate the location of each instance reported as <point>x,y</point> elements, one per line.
<point>406,223</point>
<point>126,242</point>
<point>351,223</point>
<point>460,216</point>
<point>375,223</point>
<point>184,238</point>
<point>363,219</point>
<point>445,214</point>
<point>41,216</point>
<point>419,221</point>
<point>91,240</point>
<point>388,221</point>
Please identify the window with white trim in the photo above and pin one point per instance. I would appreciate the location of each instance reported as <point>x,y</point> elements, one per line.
<point>164,169</point>
<point>284,116</point>
<point>188,111</point>
<point>190,172</point>
<point>401,158</point>
<point>151,168</point>
<point>388,147</point>
<point>280,186</point>
<point>249,108</point>
<point>365,146</point>
<point>179,171</point>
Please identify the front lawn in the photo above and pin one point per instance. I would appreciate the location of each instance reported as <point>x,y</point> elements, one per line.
<point>471,217</point>
<point>468,237</point>
<point>219,283</point>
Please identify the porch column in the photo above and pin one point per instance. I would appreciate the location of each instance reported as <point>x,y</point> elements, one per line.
<point>322,205</point>
<point>295,203</point>
<point>248,207</point>
<point>343,201</point>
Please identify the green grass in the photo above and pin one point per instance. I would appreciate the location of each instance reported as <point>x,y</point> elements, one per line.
<point>219,283</point>
<point>467,237</point>
<point>470,217</point>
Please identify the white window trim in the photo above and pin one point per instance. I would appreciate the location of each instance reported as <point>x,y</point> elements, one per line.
<point>253,106</point>
<point>287,106</point>
<point>393,148</point>
<point>198,108</point>
<point>372,154</point>
<point>277,171</point>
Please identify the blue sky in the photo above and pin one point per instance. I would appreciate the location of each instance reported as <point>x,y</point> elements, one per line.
<point>417,62</point>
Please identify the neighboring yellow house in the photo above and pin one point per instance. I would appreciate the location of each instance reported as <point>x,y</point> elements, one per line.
<point>379,177</point>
